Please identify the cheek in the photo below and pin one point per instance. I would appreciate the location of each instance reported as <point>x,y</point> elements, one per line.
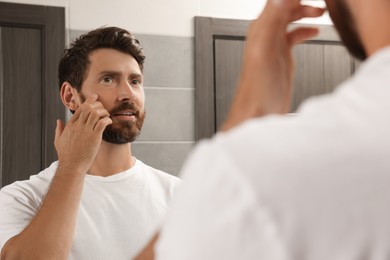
<point>107,104</point>
<point>88,92</point>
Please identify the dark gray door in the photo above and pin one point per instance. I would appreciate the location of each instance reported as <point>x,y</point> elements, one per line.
<point>320,67</point>
<point>31,42</point>
<point>321,64</point>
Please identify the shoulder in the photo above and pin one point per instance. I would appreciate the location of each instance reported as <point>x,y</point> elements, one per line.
<point>33,189</point>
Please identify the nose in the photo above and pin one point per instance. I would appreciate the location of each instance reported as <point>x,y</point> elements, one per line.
<point>125,91</point>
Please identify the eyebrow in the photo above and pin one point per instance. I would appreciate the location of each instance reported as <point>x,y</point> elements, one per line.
<point>116,73</point>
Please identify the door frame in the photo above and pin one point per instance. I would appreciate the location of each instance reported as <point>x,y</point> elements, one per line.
<point>51,22</point>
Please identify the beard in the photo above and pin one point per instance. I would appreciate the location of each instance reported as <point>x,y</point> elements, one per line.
<point>123,131</point>
<point>345,26</point>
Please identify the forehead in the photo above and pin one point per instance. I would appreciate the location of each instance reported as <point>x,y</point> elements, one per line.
<point>113,60</point>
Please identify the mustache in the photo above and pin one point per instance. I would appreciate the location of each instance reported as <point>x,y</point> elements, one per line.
<point>125,106</point>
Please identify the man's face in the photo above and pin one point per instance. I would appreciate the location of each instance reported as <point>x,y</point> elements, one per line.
<point>346,27</point>
<point>117,80</point>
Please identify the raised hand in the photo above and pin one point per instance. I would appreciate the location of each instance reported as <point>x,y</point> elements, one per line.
<point>78,142</point>
<point>265,84</point>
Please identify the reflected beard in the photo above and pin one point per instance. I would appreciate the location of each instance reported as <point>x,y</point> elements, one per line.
<point>345,26</point>
<point>122,132</point>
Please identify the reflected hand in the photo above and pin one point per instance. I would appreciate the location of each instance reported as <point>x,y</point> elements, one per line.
<point>78,142</point>
<point>265,84</point>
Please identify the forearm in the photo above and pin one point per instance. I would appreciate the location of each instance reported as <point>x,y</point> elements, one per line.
<point>50,233</point>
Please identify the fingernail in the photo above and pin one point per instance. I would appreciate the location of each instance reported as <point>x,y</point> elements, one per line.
<point>277,2</point>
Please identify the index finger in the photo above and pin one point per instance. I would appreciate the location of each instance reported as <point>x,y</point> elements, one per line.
<point>91,98</point>
<point>306,11</point>
<point>91,105</point>
<point>88,100</point>
<point>286,11</point>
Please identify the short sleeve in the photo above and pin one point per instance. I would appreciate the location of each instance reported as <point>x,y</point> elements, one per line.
<point>17,210</point>
<point>216,214</point>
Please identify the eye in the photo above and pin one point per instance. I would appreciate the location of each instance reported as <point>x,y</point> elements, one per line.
<point>136,82</point>
<point>107,79</point>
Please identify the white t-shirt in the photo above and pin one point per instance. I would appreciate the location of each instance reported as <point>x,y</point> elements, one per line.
<point>311,186</point>
<point>117,214</point>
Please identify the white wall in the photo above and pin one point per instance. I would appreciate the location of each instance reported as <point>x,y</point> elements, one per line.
<point>40,2</point>
<point>155,17</point>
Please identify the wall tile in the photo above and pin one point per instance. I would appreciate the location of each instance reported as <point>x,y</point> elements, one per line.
<point>170,115</point>
<point>73,34</point>
<point>169,61</point>
<point>168,157</point>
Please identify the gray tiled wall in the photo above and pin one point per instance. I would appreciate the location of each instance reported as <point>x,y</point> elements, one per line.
<point>168,133</point>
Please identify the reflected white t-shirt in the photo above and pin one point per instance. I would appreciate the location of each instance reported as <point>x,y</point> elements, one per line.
<point>117,216</point>
<point>311,186</point>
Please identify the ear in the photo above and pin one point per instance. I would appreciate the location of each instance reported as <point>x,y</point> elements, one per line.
<point>69,96</point>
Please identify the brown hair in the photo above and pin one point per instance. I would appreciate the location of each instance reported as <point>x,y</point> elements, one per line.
<point>75,60</point>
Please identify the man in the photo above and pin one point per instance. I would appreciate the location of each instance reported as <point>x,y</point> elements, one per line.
<point>97,201</point>
<point>313,186</point>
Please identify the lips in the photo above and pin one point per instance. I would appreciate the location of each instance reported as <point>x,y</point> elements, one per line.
<point>124,113</point>
<point>125,110</point>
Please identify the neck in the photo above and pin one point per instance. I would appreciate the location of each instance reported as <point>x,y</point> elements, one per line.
<point>112,159</point>
<point>373,20</point>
